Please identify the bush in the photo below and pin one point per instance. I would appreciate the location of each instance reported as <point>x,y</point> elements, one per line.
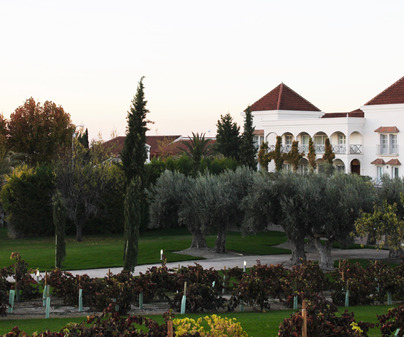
<point>218,326</point>
<point>26,197</point>
<point>392,321</point>
<point>353,277</point>
<point>108,324</point>
<point>199,297</point>
<point>323,320</point>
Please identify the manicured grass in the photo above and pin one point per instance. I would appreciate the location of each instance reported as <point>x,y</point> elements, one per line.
<point>107,250</point>
<point>257,324</point>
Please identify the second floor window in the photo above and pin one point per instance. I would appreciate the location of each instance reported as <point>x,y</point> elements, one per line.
<point>388,144</point>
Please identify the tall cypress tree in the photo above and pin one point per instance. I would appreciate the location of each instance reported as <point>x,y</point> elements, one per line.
<point>228,137</point>
<point>59,220</point>
<point>132,218</point>
<point>311,156</point>
<point>248,151</point>
<point>133,156</point>
<point>134,153</point>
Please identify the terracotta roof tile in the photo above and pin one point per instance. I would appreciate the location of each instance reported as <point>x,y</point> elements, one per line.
<point>115,145</point>
<point>378,161</point>
<point>394,94</point>
<point>355,113</point>
<point>394,162</point>
<point>283,98</point>
<point>387,129</point>
<point>258,132</point>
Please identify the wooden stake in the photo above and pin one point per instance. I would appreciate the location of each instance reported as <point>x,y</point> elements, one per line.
<point>170,332</point>
<point>185,288</point>
<point>304,316</point>
<point>46,278</point>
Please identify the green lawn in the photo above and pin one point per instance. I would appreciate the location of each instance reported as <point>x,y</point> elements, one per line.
<point>107,250</point>
<point>257,324</point>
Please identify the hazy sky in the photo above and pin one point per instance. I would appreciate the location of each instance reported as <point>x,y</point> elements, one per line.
<point>200,59</point>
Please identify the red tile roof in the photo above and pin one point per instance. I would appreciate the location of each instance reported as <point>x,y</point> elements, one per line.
<point>283,98</point>
<point>394,162</point>
<point>157,143</point>
<point>394,94</point>
<point>258,132</point>
<point>387,129</point>
<point>355,113</point>
<point>378,161</point>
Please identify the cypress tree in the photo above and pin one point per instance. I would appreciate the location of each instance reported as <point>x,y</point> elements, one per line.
<point>133,156</point>
<point>248,150</point>
<point>228,137</point>
<point>328,155</point>
<point>294,155</point>
<point>132,220</point>
<point>311,156</point>
<point>134,152</point>
<point>59,220</point>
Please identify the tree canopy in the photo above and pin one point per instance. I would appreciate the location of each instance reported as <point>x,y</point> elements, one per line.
<point>248,150</point>
<point>39,131</point>
<point>228,137</point>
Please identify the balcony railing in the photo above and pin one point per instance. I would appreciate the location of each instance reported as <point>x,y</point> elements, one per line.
<point>320,148</point>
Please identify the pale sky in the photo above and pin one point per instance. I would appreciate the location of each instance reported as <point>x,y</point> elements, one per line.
<point>200,59</point>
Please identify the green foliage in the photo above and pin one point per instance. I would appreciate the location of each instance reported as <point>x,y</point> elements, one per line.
<point>311,155</point>
<point>197,148</point>
<point>39,131</point>
<point>132,220</point>
<point>26,197</point>
<point>248,150</point>
<point>383,224</point>
<point>134,153</point>
<point>294,156</point>
<point>328,155</point>
<point>228,137</point>
<point>277,155</point>
<point>59,220</point>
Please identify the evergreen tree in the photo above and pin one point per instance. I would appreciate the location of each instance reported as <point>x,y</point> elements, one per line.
<point>263,156</point>
<point>83,139</point>
<point>133,208</point>
<point>134,152</point>
<point>294,155</point>
<point>328,155</point>
<point>248,150</point>
<point>133,156</point>
<point>59,220</point>
<point>277,155</point>
<point>228,137</point>
<point>311,156</point>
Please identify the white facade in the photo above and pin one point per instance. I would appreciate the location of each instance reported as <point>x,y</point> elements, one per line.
<point>365,141</point>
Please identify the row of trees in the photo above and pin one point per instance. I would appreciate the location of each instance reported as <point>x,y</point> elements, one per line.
<point>318,207</point>
<point>231,144</point>
<point>293,157</point>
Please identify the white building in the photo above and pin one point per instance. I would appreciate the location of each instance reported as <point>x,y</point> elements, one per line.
<point>365,141</point>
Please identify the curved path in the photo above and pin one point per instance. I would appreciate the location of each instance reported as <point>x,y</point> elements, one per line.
<point>229,261</point>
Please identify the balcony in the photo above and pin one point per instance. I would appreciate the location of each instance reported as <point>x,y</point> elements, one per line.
<point>320,148</point>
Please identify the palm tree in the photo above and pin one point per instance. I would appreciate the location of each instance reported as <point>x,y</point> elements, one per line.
<point>196,148</point>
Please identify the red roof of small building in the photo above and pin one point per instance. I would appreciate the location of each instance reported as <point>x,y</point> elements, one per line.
<point>378,161</point>
<point>387,129</point>
<point>393,162</point>
<point>258,132</point>
<point>354,113</point>
<point>283,98</point>
<point>394,94</point>
<point>115,145</point>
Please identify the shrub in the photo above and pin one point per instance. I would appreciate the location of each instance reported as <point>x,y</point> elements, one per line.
<point>353,277</point>
<point>251,290</point>
<point>199,297</point>
<point>322,320</point>
<point>108,324</point>
<point>392,321</point>
<point>26,197</point>
<point>218,326</point>
<point>385,279</point>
